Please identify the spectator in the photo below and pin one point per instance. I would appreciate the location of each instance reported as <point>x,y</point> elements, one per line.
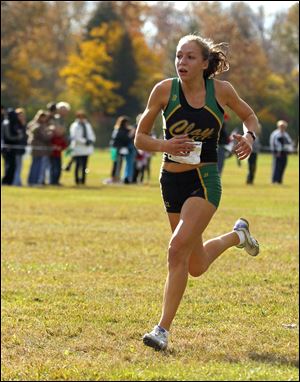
<point>252,160</point>
<point>62,110</point>
<point>22,143</point>
<point>130,157</point>
<point>142,161</point>
<point>57,114</point>
<point>82,143</point>
<point>12,137</point>
<point>52,111</point>
<point>281,146</point>
<point>59,143</point>
<point>40,136</point>
<point>141,165</point>
<point>222,144</point>
<point>120,141</point>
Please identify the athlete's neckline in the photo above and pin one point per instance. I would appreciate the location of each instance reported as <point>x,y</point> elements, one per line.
<point>185,102</point>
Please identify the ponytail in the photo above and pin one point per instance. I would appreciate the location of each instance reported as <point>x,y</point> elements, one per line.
<point>217,61</point>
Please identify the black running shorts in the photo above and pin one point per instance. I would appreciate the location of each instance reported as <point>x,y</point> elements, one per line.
<point>203,182</point>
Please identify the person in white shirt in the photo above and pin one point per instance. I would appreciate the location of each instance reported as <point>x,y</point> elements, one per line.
<point>281,145</point>
<point>82,138</point>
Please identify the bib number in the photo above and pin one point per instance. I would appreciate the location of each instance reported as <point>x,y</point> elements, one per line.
<point>192,158</point>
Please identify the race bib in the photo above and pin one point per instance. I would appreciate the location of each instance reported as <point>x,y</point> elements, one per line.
<point>192,158</point>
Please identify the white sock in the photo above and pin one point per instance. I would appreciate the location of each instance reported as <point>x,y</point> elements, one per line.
<point>241,236</point>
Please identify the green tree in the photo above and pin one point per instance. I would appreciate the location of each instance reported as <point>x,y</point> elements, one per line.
<point>124,72</point>
<point>130,55</point>
<point>103,13</point>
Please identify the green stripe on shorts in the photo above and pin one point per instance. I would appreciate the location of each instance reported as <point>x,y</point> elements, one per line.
<point>211,182</point>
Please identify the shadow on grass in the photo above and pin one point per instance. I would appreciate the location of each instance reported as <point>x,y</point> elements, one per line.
<point>85,187</point>
<point>273,359</point>
<point>67,187</point>
<point>267,358</point>
<point>97,187</point>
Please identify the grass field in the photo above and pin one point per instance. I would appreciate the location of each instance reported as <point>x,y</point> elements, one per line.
<point>83,271</point>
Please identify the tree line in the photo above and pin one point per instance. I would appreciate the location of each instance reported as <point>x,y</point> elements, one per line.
<point>105,56</point>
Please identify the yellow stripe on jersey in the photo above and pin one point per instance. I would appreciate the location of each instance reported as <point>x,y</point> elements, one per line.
<point>214,114</point>
<point>173,111</point>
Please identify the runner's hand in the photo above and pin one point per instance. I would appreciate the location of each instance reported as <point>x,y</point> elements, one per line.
<point>180,145</point>
<point>243,147</point>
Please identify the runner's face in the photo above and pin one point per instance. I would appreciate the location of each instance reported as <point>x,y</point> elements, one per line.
<point>189,61</point>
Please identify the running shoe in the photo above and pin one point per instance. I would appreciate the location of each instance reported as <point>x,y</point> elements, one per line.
<point>157,339</point>
<point>250,244</point>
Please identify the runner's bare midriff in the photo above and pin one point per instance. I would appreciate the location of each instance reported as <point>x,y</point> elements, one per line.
<point>181,167</point>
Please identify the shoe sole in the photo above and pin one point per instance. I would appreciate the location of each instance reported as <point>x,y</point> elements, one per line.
<point>149,342</point>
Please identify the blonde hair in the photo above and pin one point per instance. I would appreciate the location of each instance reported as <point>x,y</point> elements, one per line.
<point>80,114</point>
<point>121,122</point>
<point>283,123</point>
<point>214,53</point>
<point>36,118</point>
<point>62,104</point>
<point>40,113</point>
<point>20,110</point>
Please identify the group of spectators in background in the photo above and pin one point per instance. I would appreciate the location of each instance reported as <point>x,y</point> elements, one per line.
<point>47,136</point>
<point>280,142</point>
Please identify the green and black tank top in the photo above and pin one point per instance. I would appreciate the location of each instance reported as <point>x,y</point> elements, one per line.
<point>202,124</point>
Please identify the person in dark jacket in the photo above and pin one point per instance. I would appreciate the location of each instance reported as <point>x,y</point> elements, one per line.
<point>20,151</point>
<point>59,143</point>
<point>120,141</point>
<point>12,139</point>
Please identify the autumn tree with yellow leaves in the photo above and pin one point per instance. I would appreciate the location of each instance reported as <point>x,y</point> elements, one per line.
<point>107,58</point>
<point>114,67</point>
<point>87,72</point>
<point>36,38</point>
